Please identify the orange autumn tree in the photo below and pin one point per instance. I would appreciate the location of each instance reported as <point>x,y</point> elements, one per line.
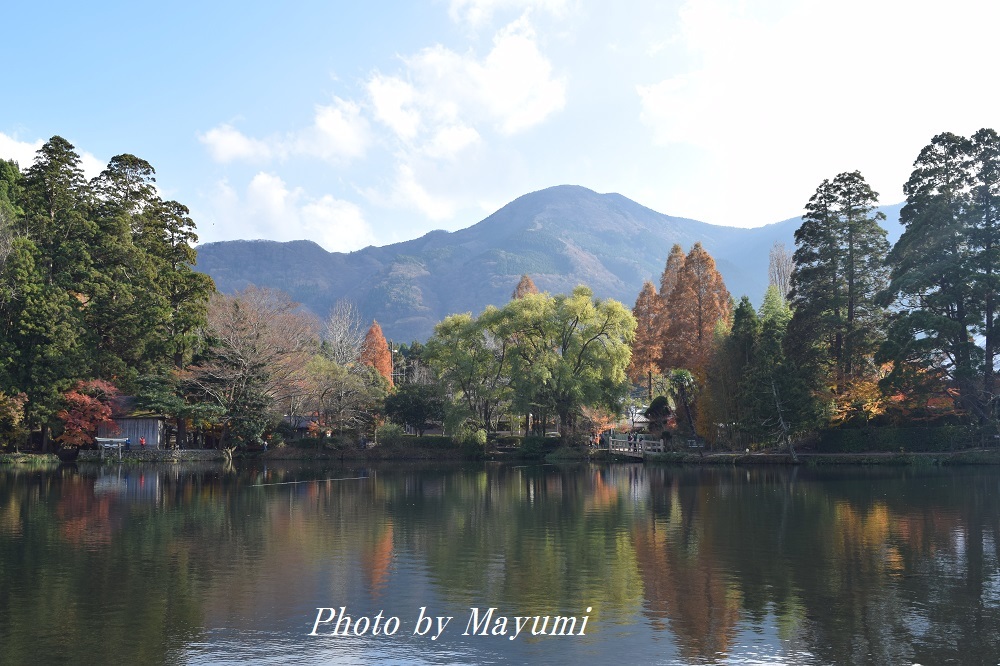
<point>646,350</point>
<point>697,303</point>
<point>668,280</point>
<point>524,287</point>
<point>375,352</point>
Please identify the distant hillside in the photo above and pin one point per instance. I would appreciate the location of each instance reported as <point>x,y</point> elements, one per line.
<point>561,236</point>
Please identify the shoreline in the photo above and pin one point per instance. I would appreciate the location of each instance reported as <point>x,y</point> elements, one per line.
<point>562,455</point>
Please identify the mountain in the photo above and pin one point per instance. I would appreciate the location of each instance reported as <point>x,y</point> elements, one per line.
<point>562,236</point>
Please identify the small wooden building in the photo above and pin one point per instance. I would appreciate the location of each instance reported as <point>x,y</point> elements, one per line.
<point>153,428</point>
<point>135,425</point>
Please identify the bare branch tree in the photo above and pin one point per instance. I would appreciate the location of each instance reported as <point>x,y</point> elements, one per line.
<point>779,268</point>
<point>6,236</point>
<point>260,343</point>
<point>344,334</point>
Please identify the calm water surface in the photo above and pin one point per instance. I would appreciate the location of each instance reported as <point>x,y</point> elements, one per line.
<point>200,565</point>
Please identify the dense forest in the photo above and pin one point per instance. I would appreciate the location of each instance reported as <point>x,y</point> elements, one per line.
<point>99,298</point>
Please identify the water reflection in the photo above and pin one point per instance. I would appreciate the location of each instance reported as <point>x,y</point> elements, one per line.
<point>212,565</point>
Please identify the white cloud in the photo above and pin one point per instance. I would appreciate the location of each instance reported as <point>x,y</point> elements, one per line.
<point>331,222</point>
<point>409,193</point>
<point>23,152</point>
<point>512,88</point>
<point>780,99</point>
<point>449,141</point>
<point>480,12</point>
<point>393,102</point>
<point>339,134</point>
<point>226,144</point>
<point>270,209</point>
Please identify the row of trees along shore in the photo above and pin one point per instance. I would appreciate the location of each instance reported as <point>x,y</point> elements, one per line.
<point>851,332</point>
<point>99,298</point>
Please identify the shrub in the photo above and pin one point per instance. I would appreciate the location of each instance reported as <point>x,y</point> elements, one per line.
<point>389,434</point>
<point>534,446</point>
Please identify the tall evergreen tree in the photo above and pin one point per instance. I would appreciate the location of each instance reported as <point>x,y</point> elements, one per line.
<point>49,270</point>
<point>57,204</point>
<point>944,269</point>
<point>839,270</point>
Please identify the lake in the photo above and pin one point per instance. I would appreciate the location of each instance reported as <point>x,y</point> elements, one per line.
<point>190,564</point>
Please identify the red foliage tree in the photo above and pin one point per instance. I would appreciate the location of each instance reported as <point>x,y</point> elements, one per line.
<point>375,352</point>
<point>88,405</point>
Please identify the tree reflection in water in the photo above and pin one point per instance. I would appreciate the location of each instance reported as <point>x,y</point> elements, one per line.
<point>152,564</point>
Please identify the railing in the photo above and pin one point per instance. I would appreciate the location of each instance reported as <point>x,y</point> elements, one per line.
<point>636,448</point>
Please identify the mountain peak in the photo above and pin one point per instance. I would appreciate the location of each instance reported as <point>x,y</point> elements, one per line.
<point>561,236</point>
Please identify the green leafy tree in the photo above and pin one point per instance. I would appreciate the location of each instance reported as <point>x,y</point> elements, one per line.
<point>778,391</point>
<point>345,398</point>
<point>572,350</point>
<point>683,389</point>
<point>420,406</point>
<point>10,213</point>
<point>147,302</point>
<point>472,360</point>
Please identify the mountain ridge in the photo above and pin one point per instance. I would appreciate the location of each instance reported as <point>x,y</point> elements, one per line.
<point>561,236</point>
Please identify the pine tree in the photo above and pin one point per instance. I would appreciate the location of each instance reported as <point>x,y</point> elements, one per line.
<point>646,350</point>
<point>376,353</point>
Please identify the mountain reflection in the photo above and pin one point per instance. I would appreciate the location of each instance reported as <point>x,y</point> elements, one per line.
<point>147,564</point>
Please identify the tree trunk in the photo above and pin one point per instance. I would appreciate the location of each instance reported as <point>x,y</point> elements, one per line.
<point>181,433</point>
<point>784,426</point>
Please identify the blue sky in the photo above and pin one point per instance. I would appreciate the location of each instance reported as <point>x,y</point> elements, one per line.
<point>353,123</point>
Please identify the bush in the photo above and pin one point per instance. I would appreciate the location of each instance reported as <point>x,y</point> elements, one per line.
<point>389,434</point>
<point>307,443</point>
<point>435,442</point>
<point>890,439</point>
<point>534,446</point>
